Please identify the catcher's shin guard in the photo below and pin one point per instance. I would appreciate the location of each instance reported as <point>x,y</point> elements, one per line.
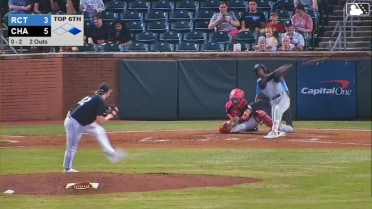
<point>264,118</point>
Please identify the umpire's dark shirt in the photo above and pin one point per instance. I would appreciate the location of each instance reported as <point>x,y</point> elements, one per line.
<point>87,109</point>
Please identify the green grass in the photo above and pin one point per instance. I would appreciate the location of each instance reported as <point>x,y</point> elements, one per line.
<point>58,129</point>
<point>293,178</point>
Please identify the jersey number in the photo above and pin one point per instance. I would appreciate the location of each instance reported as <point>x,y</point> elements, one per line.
<point>84,100</point>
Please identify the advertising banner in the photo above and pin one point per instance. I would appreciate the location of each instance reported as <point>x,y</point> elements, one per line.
<point>326,90</point>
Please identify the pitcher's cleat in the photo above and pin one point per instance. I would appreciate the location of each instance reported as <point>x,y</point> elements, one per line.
<point>71,170</point>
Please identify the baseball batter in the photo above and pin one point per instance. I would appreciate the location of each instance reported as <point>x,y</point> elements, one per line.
<point>247,116</point>
<point>275,88</point>
<point>87,117</point>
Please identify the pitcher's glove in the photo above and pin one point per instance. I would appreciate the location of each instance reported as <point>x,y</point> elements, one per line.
<point>226,127</point>
<point>114,110</point>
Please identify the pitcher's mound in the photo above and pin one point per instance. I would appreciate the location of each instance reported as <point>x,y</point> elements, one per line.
<point>55,183</point>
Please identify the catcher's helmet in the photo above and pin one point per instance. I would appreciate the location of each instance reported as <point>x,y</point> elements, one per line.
<point>259,66</point>
<point>236,95</point>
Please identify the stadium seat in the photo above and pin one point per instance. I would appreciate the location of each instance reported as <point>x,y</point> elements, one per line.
<point>195,37</point>
<point>177,15</point>
<point>161,47</point>
<point>212,5</point>
<point>138,47</point>
<point>147,37</point>
<point>132,16</point>
<point>109,16</point>
<point>220,37</point>
<point>203,15</point>
<point>87,48</point>
<point>202,26</point>
<point>237,5</point>
<point>154,15</point>
<point>157,26</point>
<point>115,6</point>
<point>163,5</point>
<point>181,26</point>
<point>186,47</point>
<point>211,47</point>
<point>109,48</point>
<point>284,14</point>
<point>139,5</point>
<point>170,37</point>
<point>135,26</point>
<point>189,5</point>
<point>246,37</point>
<point>265,5</point>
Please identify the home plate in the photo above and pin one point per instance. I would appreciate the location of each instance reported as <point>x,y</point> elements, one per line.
<point>232,139</point>
<point>82,185</point>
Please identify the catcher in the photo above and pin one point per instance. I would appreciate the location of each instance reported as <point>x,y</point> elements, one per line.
<point>244,116</point>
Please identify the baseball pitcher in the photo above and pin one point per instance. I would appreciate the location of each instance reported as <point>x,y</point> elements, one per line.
<point>87,116</point>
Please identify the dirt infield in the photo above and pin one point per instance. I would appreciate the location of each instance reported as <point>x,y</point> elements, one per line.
<point>53,183</point>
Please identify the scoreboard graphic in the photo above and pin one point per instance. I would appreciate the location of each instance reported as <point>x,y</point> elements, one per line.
<point>45,30</point>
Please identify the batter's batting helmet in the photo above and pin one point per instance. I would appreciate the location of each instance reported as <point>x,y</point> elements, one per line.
<point>259,66</point>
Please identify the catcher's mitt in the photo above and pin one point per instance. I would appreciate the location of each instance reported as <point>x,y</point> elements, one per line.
<point>114,110</point>
<point>226,127</point>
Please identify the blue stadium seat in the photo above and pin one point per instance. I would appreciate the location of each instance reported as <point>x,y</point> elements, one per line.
<point>157,26</point>
<point>132,15</point>
<point>177,15</point>
<point>135,26</point>
<point>189,5</point>
<point>195,37</point>
<point>161,47</point>
<point>284,14</point>
<point>87,48</point>
<point>246,37</point>
<point>147,37</point>
<point>138,47</point>
<point>203,15</point>
<point>211,47</point>
<point>154,15</point>
<point>109,48</point>
<point>202,26</point>
<point>237,5</point>
<point>109,16</point>
<point>186,47</point>
<point>163,5</point>
<point>181,26</point>
<point>139,5</point>
<point>221,37</point>
<point>210,5</point>
<point>115,6</point>
<point>170,37</point>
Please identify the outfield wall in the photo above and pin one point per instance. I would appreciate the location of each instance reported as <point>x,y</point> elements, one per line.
<point>171,86</point>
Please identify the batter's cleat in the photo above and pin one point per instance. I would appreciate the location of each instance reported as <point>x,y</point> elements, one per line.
<point>71,170</point>
<point>282,133</point>
<point>272,135</point>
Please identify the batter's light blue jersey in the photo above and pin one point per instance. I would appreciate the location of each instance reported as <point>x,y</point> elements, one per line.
<point>272,88</point>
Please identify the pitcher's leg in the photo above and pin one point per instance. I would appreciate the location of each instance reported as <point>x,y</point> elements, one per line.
<point>101,136</point>
<point>73,136</point>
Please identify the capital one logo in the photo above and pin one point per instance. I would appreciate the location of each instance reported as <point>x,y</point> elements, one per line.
<point>339,89</point>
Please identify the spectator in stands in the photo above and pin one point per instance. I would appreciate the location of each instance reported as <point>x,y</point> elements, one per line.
<point>92,6</point>
<point>295,38</point>
<point>271,41</point>
<point>261,45</point>
<point>45,6</point>
<point>99,33</point>
<point>308,4</point>
<point>254,20</point>
<point>286,45</point>
<point>275,24</point>
<point>19,6</point>
<point>224,21</point>
<point>73,7</point>
<point>119,34</point>
<point>302,22</point>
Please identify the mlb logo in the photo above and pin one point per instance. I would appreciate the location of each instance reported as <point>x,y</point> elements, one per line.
<point>357,9</point>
